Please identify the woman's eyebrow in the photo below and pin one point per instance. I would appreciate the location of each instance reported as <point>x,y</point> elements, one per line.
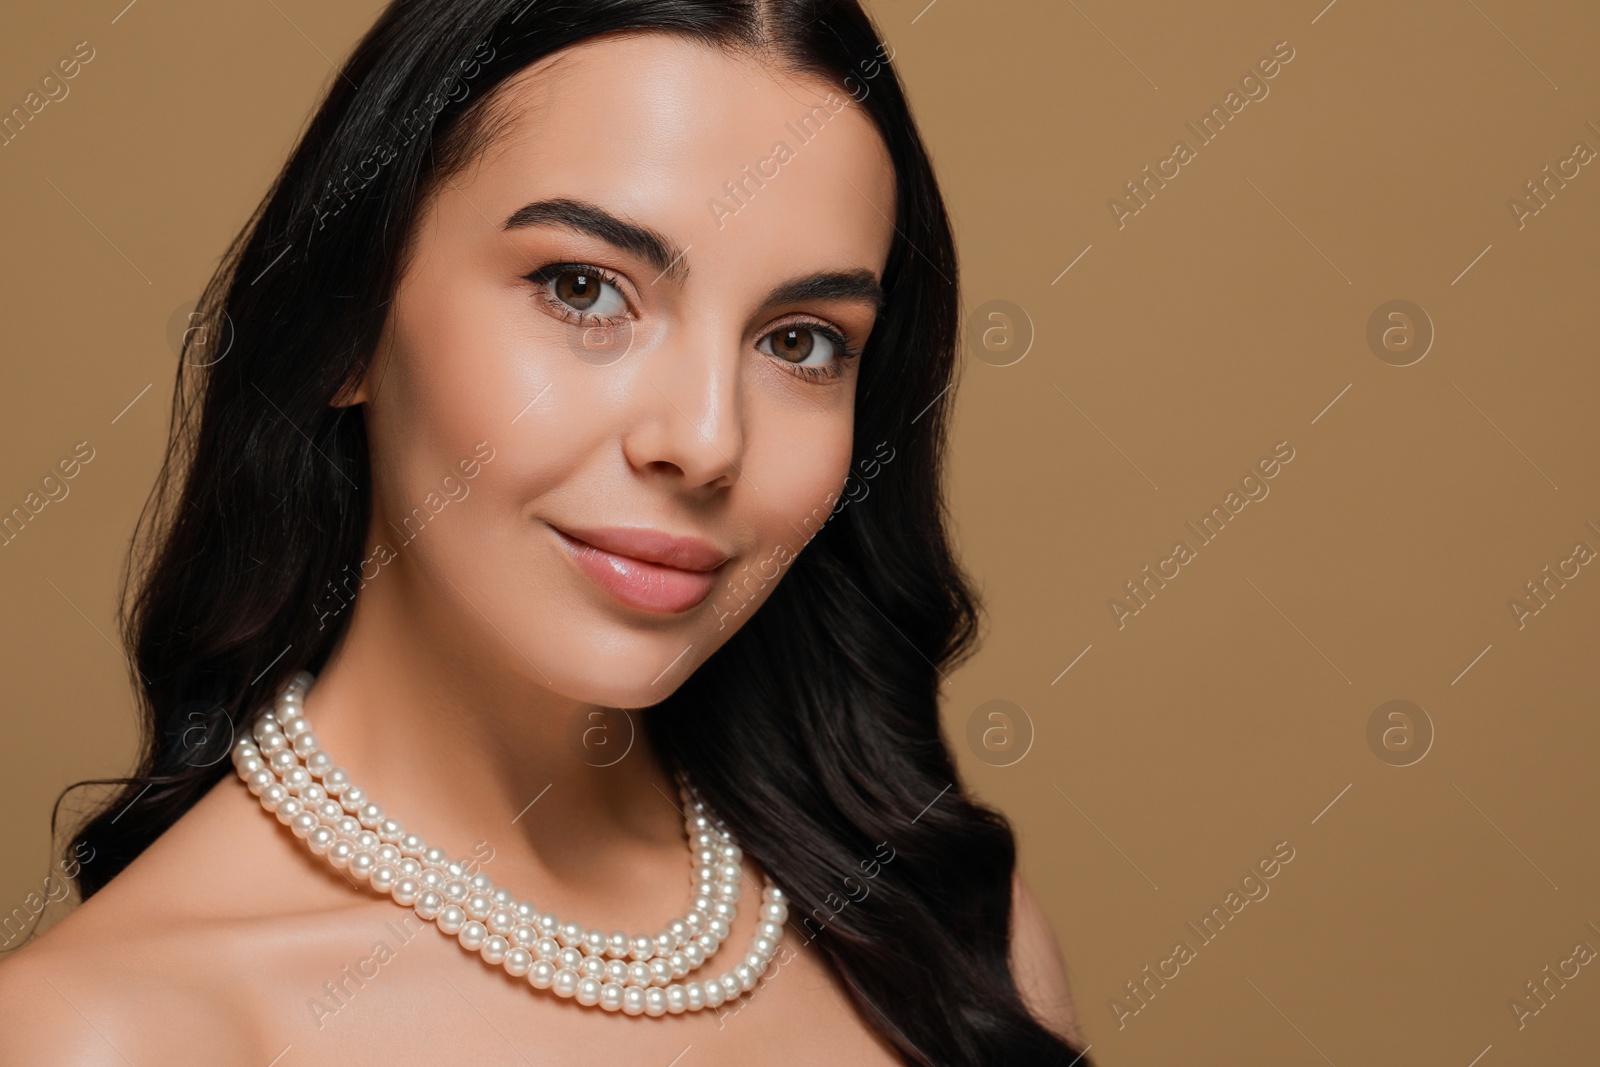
<point>859,285</point>
<point>596,221</point>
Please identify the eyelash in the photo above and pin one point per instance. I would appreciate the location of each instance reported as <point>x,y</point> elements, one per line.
<point>544,276</point>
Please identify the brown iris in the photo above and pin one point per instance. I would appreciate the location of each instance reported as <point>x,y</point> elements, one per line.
<point>793,344</point>
<point>578,289</point>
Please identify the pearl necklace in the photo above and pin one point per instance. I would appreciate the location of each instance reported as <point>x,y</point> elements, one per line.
<point>283,764</point>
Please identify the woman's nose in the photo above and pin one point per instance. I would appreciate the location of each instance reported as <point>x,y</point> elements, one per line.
<point>688,414</point>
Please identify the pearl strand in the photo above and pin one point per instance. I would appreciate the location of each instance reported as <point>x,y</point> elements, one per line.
<point>284,766</point>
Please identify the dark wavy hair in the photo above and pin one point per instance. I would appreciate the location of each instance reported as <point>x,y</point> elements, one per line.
<point>814,731</point>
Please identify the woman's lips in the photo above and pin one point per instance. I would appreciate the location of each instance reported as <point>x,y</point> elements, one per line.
<point>642,584</point>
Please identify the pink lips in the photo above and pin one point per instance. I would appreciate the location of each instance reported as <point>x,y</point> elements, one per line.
<point>645,569</point>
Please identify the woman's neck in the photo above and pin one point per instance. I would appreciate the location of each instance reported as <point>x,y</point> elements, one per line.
<point>465,745</point>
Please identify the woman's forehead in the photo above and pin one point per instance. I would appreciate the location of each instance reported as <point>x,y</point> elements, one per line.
<point>724,153</point>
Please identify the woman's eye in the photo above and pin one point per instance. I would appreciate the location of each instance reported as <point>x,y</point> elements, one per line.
<point>800,345</point>
<point>586,292</point>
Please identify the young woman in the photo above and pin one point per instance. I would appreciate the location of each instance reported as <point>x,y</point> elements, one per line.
<point>555,484</point>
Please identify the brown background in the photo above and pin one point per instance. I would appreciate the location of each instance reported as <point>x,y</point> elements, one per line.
<point>1225,317</point>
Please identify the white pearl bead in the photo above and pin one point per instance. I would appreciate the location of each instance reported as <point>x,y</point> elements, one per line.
<point>280,762</point>
<point>361,865</point>
<point>565,982</point>
<point>473,935</point>
<point>273,795</point>
<point>611,995</point>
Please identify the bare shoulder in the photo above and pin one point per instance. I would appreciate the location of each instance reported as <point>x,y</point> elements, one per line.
<point>149,964</point>
<point>1037,964</point>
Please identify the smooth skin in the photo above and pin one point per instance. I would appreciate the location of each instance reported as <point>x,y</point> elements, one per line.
<point>463,695</point>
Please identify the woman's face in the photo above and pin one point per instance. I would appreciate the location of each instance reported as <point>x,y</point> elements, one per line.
<point>627,331</point>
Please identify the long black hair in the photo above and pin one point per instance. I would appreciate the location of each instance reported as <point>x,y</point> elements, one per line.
<point>814,731</point>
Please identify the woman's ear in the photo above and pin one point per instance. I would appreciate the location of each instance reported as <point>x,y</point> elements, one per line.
<point>353,391</point>
<point>362,385</point>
